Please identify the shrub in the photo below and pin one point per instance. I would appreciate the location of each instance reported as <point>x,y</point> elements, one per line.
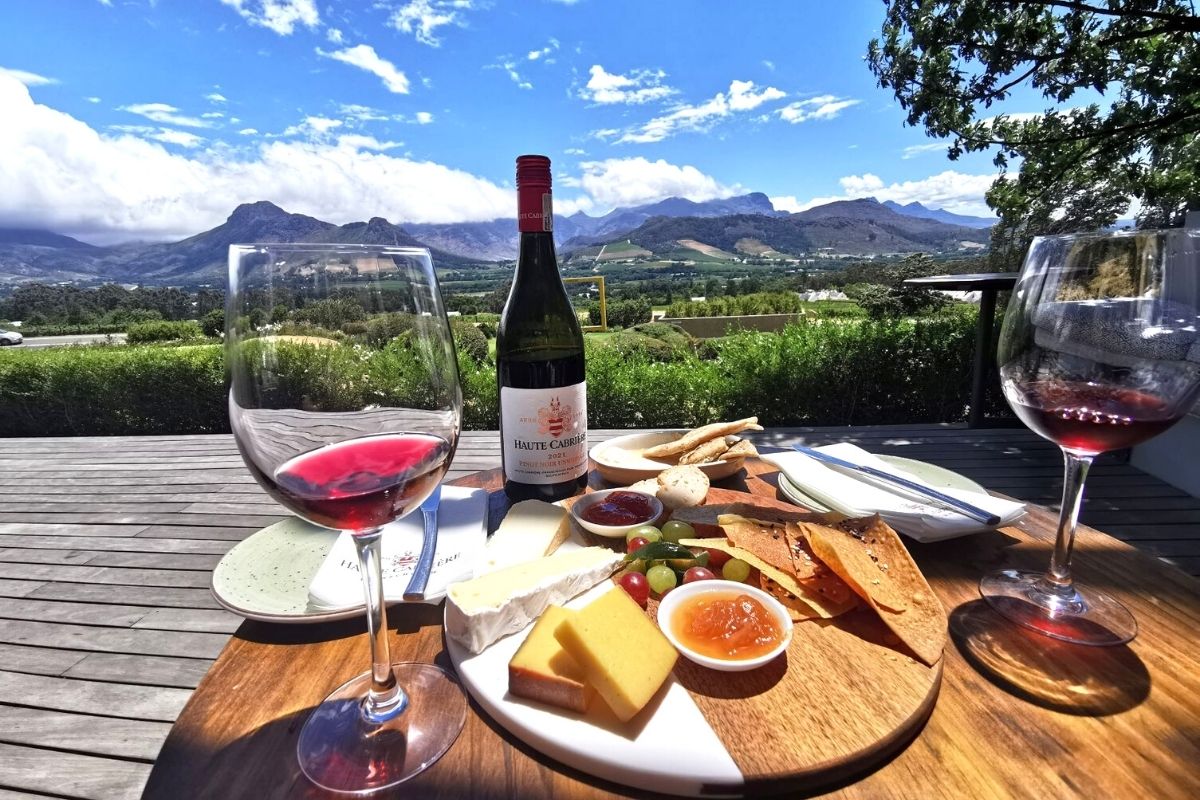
<point>627,313</point>
<point>756,303</point>
<point>332,312</point>
<point>163,331</point>
<point>470,340</point>
<point>213,323</point>
<point>828,373</point>
<point>382,328</point>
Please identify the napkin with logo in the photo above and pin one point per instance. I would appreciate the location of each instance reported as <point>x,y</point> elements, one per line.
<point>858,495</point>
<point>462,533</point>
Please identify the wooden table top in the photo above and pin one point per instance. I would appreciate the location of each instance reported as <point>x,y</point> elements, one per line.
<point>1018,715</point>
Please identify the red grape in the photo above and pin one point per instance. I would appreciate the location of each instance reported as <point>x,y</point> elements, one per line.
<point>636,543</point>
<point>636,585</point>
<point>698,574</point>
<point>717,558</point>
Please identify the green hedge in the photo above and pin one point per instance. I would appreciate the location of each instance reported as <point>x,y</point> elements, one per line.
<point>163,331</point>
<point>835,373</point>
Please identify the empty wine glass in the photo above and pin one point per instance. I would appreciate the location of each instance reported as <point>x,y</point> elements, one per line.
<point>1099,351</point>
<point>345,403</point>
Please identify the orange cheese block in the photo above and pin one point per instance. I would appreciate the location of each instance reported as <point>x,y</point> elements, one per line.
<point>622,652</point>
<point>542,670</point>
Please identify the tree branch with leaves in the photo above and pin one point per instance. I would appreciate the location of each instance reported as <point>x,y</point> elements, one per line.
<point>952,64</point>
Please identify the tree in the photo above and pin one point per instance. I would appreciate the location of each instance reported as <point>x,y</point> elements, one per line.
<point>949,62</point>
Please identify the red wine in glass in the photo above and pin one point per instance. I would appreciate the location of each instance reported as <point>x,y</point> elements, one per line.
<point>363,483</point>
<point>1092,417</point>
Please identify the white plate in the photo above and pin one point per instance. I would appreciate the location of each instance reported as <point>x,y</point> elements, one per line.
<point>620,460</point>
<point>668,747</point>
<point>935,476</point>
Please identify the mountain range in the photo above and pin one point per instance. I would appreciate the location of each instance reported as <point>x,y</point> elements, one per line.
<point>744,225</point>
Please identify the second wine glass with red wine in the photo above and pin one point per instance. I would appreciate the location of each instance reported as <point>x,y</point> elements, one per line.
<point>1099,351</point>
<point>345,403</point>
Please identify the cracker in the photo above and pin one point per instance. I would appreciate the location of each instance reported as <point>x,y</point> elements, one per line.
<point>869,556</point>
<point>691,439</point>
<point>704,453</point>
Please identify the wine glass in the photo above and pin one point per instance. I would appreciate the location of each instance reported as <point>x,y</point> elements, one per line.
<point>351,431</point>
<point>1099,351</point>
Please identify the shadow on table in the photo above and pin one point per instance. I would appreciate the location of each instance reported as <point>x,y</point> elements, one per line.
<point>1070,678</point>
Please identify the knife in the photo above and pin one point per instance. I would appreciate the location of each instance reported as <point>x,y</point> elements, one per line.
<point>974,512</point>
<point>420,577</point>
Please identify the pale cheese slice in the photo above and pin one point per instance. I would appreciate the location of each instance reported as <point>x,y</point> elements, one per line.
<point>483,609</point>
<point>530,530</point>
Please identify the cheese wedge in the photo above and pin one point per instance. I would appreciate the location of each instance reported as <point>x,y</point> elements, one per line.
<point>481,610</point>
<point>622,652</point>
<point>541,670</point>
<point>531,529</point>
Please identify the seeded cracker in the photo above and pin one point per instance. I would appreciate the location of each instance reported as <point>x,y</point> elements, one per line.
<point>869,556</point>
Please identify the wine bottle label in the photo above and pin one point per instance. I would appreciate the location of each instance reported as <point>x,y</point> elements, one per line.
<point>544,433</point>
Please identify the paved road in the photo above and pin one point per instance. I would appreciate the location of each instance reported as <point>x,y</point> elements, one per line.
<point>63,341</point>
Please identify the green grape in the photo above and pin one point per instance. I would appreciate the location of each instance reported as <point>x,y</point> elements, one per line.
<point>662,578</point>
<point>637,565</point>
<point>735,570</point>
<point>647,532</point>
<point>673,531</point>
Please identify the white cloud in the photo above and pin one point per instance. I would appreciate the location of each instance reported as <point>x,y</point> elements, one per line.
<point>59,173</point>
<point>543,54</point>
<point>360,112</point>
<point>575,151</point>
<point>951,190</point>
<point>334,36</point>
<point>424,118</point>
<point>742,96</point>
<point>634,181</point>
<point>28,78</point>
<point>825,106</point>
<point>280,16</point>
<point>509,67</point>
<point>166,114</point>
<point>181,138</point>
<point>361,142</point>
<point>364,57</point>
<point>769,65</point>
<point>313,126</point>
<point>248,131</point>
<point>912,151</point>
<point>422,18</point>
<point>639,86</point>
<point>215,97</point>
<point>92,99</point>
<point>212,114</point>
<point>687,118</point>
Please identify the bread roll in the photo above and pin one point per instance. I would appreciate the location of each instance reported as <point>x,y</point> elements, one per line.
<point>682,487</point>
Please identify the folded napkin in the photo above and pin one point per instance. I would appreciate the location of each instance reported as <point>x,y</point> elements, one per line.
<point>857,495</point>
<point>462,532</point>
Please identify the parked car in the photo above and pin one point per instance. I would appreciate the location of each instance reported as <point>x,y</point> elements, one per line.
<point>10,337</point>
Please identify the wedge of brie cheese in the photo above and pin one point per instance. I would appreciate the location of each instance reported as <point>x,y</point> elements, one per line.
<point>481,610</point>
<point>531,529</point>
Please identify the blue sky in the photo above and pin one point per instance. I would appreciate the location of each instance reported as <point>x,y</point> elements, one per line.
<point>154,118</point>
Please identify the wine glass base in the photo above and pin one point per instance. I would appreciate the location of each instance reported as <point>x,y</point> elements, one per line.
<point>1088,617</point>
<point>341,751</point>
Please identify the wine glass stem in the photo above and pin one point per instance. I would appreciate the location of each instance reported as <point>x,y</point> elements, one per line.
<point>386,698</point>
<point>1058,579</point>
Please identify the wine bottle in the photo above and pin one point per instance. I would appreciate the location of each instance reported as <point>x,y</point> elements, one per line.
<point>539,358</point>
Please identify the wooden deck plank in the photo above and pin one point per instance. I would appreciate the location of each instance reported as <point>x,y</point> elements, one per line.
<point>117,544</point>
<point>155,703</point>
<point>82,733</point>
<point>171,671</point>
<point>71,774</point>
<point>38,660</point>
<point>190,619</point>
<point>66,636</point>
<point>193,579</point>
<point>153,596</point>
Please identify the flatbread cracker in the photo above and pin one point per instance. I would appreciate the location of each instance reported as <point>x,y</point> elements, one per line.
<point>809,604</point>
<point>704,453</point>
<point>742,448</point>
<point>691,439</point>
<point>869,556</point>
<point>765,539</point>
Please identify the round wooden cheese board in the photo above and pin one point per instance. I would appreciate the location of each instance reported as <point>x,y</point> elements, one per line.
<point>844,697</point>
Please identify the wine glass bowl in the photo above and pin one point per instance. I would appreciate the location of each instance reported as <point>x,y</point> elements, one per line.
<point>1099,351</point>
<point>346,407</point>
